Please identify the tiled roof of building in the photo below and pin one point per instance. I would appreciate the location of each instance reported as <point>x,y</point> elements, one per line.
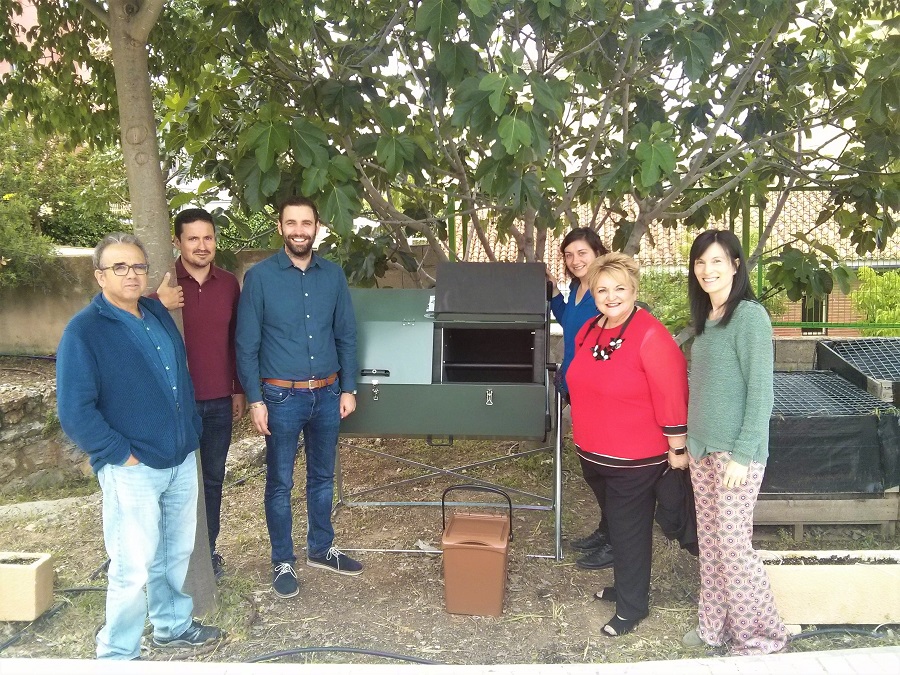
<point>664,246</point>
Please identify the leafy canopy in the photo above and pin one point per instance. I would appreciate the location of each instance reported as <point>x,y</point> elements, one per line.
<point>446,118</point>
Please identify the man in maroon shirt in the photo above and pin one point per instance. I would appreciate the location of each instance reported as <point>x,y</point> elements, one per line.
<point>209,298</point>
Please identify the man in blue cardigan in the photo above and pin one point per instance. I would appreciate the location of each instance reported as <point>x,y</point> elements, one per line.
<point>124,396</point>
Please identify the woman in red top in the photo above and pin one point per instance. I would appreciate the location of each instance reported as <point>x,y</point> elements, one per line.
<point>629,391</point>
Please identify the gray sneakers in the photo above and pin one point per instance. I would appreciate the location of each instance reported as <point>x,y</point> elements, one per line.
<point>196,635</point>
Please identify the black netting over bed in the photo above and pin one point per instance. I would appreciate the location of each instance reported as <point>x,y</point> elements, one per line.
<point>827,435</point>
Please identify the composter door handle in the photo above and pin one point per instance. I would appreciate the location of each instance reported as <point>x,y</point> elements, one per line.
<point>473,488</point>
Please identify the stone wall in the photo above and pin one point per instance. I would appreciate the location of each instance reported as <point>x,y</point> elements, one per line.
<point>32,320</point>
<point>34,452</point>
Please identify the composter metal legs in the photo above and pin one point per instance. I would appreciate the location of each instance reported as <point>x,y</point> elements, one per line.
<point>540,502</point>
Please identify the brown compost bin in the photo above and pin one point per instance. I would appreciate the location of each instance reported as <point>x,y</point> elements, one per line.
<point>476,554</point>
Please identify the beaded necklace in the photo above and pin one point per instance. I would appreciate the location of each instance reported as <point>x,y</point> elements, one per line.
<point>605,353</point>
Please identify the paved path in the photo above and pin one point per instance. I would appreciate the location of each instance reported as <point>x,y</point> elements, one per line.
<point>877,661</point>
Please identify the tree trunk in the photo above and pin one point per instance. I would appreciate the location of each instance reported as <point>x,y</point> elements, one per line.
<point>146,183</point>
<point>128,24</point>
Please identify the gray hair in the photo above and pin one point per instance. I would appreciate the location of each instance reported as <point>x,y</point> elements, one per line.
<point>116,238</point>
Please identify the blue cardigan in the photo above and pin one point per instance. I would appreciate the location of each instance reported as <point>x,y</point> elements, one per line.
<point>571,317</point>
<point>112,396</point>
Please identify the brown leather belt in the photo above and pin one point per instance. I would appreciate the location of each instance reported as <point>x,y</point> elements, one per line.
<point>301,384</point>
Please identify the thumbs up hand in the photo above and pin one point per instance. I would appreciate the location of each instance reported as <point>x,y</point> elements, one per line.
<point>170,296</point>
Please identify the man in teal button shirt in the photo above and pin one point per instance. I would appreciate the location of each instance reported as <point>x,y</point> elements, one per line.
<point>296,356</point>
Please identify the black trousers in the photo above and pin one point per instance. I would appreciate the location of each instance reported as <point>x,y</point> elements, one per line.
<point>628,506</point>
<point>598,487</point>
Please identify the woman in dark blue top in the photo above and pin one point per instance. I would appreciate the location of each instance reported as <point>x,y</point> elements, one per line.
<point>580,247</point>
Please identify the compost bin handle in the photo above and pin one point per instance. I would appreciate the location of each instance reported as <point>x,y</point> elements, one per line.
<point>473,488</point>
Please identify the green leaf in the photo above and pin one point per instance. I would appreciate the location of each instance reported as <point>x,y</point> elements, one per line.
<point>545,97</point>
<point>309,143</point>
<point>205,185</point>
<point>473,108</point>
<point>656,157</point>
<point>343,99</point>
<point>437,18</point>
<point>180,200</point>
<point>270,180</point>
<point>843,276</point>
<point>394,152</point>
<point>651,21</point>
<point>267,139</point>
<point>249,176</point>
<point>341,168</point>
<point>694,51</point>
<point>496,84</point>
<point>480,8</point>
<point>454,60</point>
<point>514,133</point>
<point>338,208</point>
<point>314,179</point>
<point>543,7</point>
<point>879,99</point>
<point>555,179</point>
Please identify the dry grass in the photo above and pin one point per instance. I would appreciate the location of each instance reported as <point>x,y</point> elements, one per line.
<point>396,606</point>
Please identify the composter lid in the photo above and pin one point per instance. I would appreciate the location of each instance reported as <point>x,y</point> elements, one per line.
<point>490,530</point>
<point>512,289</point>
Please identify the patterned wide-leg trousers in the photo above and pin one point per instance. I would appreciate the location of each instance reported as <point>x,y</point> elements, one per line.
<point>736,603</point>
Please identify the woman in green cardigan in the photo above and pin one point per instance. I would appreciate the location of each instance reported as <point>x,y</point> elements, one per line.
<point>731,399</point>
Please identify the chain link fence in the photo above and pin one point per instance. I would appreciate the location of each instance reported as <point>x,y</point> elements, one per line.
<point>871,308</point>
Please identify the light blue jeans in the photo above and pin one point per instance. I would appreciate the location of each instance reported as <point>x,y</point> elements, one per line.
<point>149,521</point>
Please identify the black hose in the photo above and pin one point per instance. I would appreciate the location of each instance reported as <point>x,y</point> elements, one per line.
<point>46,615</point>
<point>346,650</point>
<point>831,631</point>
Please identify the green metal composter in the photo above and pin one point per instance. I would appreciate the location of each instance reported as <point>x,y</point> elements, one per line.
<point>466,359</point>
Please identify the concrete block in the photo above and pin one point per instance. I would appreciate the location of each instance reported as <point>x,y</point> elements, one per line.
<point>796,350</point>
<point>835,587</point>
<point>26,585</point>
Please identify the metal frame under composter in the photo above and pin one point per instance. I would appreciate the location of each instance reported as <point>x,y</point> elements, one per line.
<point>395,379</point>
<point>545,503</point>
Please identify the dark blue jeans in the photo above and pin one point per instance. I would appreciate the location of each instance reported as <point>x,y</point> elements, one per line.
<point>315,413</point>
<point>214,443</point>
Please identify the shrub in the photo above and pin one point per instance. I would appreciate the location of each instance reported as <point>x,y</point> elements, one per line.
<point>24,254</point>
<point>71,194</point>
<point>666,294</point>
<point>878,299</point>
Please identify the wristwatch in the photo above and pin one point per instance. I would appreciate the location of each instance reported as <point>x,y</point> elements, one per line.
<point>677,451</point>
<point>349,392</point>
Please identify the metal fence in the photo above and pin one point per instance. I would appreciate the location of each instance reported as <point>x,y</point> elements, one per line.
<point>871,308</point>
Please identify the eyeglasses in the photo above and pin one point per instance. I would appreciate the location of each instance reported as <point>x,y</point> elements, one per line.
<point>121,269</point>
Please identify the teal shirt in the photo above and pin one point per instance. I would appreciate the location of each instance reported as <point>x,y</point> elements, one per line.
<point>731,394</point>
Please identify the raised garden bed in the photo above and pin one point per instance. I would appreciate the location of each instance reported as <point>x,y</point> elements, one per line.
<point>835,587</point>
<point>26,585</point>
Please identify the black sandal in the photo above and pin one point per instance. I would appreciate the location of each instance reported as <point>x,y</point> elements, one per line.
<point>617,626</point>
<point>608,594</point>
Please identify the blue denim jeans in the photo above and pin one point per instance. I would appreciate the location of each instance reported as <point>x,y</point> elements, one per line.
<point>315,413</point>
<point>149,523</point>
<point>214,444</point>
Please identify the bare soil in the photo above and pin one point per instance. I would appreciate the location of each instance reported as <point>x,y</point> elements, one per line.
<point>396,606</point>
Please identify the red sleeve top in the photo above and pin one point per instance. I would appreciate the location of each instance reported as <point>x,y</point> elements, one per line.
<point>625,407</point>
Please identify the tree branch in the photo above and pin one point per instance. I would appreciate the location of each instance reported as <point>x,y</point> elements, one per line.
<point>141,18</point>
<point>767,232</point>
<point>97,10</point>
